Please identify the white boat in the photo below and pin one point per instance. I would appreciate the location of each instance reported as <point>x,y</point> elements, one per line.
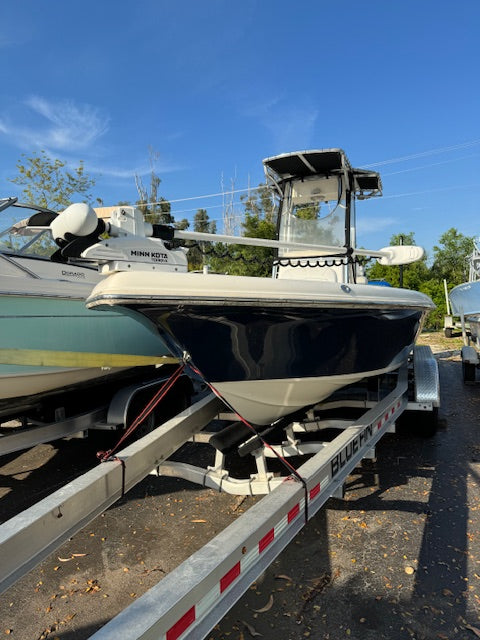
<point>465,298</point>
<point>272,347</point>
<point>49,341</point>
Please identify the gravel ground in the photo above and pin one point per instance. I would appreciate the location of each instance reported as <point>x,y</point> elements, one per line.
<point>398,558</point>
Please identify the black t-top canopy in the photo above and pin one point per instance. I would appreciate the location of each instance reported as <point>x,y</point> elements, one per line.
<point>300,164</point>
<point>323,162</point>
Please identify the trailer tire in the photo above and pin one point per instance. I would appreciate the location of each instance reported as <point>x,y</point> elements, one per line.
<point>419,423</point>
<point>429,423</point>
<point>449,332</point>
<point>468,372</point>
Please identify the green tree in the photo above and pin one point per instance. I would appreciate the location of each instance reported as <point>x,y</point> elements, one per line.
<point>434,289</point>
<point>182,224</point>
<point>413,275</point>
<point>259,222</point>
<point>449,262</point>
<point>259,204</point>
<point>48,183</point>
<point>198,252</point>
<point>155,209</point>
<point>450,257</point>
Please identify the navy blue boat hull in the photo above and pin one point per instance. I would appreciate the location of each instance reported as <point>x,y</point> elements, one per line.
<point>239,343</point>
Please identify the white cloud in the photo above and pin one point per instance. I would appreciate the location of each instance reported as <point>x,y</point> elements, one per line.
<point>128,173</point>
<point>62,126</point>
<point>262,110</point>
<point>65,129</point>
<point>117,172</point>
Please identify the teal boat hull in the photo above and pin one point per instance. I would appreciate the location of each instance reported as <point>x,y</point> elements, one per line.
<point>52,325</point>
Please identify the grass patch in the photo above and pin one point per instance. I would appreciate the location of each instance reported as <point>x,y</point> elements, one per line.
<point>437,341</point>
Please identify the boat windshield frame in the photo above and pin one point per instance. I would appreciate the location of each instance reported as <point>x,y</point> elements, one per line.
<point>317,210</point>
<point>34,245</point>
<point>474,262</point>
<point>323,164</point>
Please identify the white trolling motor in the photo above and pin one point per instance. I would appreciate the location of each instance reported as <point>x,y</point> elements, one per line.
<point>131,243</point>
<point>135,245</point>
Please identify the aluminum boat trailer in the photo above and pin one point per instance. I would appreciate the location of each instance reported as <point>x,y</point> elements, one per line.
<point>107,406</point>
<point>190,600</point>
<point>470,351</point>
<point>423,399</point>
<point>450,322</point>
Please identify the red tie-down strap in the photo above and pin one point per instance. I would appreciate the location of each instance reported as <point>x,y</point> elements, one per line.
<point>290,468</point>
<point>157,398</point>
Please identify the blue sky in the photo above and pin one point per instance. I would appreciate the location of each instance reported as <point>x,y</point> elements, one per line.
<point>214,86</point>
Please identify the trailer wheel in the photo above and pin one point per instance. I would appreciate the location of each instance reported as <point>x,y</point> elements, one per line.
<point>419,423</point>
<point>468,371</point>
<point>428,423</point>
<point>448,332</point>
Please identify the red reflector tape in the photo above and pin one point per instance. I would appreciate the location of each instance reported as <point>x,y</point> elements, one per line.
<point>181,625</point>
<point>379,425</point>
<point>315,491</point>
<point>266,540</point>
<point>229,577</point>
<point>293,513</point>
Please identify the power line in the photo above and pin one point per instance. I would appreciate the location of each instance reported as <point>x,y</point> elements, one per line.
<point>209,195</point>
<point>427,166</point>
<point>423,154</point>
<point>413,156</point>
<point>420,193</point>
